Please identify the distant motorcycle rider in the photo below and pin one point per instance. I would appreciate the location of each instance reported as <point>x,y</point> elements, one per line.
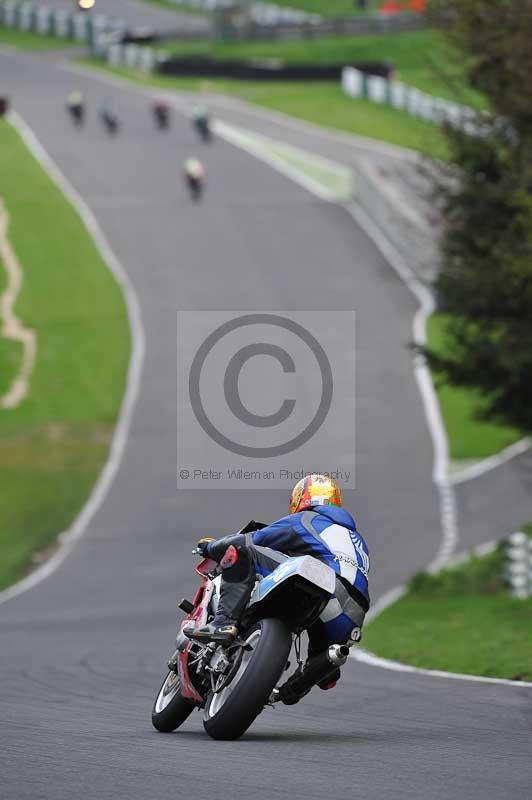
<point>202,122</point>
<point>316,526</point>
<point>195,175</point>
<point>109,118</point>
<point>76,107</point>
<point>161,113</point>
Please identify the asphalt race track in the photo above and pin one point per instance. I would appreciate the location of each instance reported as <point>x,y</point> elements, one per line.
<point>83,654</point>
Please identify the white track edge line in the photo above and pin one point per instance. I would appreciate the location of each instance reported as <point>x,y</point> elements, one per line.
<point>449,526</point>
<point>245,142</point>
<point>365,657</point>
<point>488,464</point>
<point>69,538</point>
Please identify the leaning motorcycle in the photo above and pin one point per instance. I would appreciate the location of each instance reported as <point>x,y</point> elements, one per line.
<point>233,684</point>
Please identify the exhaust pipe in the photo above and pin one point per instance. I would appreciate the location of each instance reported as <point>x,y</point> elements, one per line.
<point>337,654</point>
<point>316,669</point>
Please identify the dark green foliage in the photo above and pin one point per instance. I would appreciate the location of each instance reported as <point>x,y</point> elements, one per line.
<point>486,277</point>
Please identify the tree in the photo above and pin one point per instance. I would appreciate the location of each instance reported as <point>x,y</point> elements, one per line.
<point>485,280</point>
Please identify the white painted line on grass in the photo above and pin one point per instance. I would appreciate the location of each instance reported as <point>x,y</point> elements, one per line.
<point>69,538</point>
<point>12,328</point>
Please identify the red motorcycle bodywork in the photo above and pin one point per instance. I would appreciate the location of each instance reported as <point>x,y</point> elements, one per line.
<point>199,617</point>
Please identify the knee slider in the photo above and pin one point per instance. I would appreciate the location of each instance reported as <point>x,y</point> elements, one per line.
<point>235,564</point>
<point>230,557</point>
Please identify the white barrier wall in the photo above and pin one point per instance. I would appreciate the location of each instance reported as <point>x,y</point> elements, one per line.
<point>518,566</point>
<point>60,22</point>
<point>407,98</point>
<point>133,56</point>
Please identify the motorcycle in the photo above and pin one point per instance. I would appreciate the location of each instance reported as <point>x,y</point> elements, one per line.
<point>232,684</point>
<point>194,174</point>
<point>110,121</point>
<point>203,127</point>
<point>161,114</point>
<point>76,110</point>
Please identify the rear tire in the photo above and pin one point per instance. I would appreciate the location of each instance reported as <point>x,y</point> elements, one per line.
<point>170,709</point>
<point>229,713</point>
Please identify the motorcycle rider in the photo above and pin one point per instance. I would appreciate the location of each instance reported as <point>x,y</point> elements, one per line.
<point>318,526</point>
<point>195,175</point>
<point>161,113</point>
<point>109,118</point>
<point>201,120</point>
<point>76,107</point>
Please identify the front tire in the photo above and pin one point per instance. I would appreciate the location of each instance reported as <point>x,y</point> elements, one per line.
<point>229,713</point>
<point>170,709</point>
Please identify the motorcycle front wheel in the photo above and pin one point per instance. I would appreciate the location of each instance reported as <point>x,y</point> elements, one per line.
<point>229,712</point>
<point>170,709</point>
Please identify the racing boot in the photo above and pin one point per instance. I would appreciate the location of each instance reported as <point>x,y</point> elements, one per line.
<point>219,631</point>
<point>235,590</point>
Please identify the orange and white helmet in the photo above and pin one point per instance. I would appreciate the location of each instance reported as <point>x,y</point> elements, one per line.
<point>314,490</point>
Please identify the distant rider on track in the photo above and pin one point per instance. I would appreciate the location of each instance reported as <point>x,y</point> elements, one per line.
<point>76,108</point>
<point>195,175</point>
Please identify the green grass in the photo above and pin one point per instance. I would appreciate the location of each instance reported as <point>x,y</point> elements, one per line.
<point>469,437</point>
<point>420,58</point>
<point>181,7</point>
<point>462,620</point>
<point>331,8</point>
<point>53,445</point>
<point>322,103</point>
<point>24,40</point>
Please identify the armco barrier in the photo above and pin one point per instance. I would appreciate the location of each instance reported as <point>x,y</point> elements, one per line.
<point>271,70</point>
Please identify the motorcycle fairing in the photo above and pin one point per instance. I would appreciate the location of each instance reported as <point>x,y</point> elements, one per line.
<point>199,617</point>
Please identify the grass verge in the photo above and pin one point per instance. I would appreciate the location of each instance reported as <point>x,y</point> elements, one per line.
<point>55,443</point>
<point>469,436</point>
<point>181,7</point>
<point>318,102</point>
<point>423,59</point>
<point>24,40</point>
<point>460,620</point>
<point>331,8</point>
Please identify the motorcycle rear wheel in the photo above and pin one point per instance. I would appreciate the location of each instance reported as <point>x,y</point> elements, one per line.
<point>170,709</point>
<point>229,713</point>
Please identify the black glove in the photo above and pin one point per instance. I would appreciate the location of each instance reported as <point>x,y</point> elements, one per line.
<point>202,547</point>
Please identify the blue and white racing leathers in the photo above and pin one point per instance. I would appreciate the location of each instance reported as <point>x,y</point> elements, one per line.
<point>329,534</point>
